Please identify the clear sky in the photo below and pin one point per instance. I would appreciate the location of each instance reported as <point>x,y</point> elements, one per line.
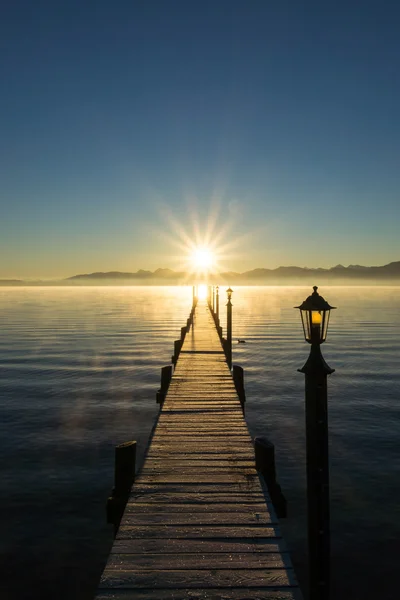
<point>125,125</point>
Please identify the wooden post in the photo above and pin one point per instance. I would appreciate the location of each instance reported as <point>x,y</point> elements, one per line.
<point>217,304</point>
<point>316,371</point>
<point>177,349</point>
<point>265,464</point>
<point>229,330</point>
<point>194,297</point>
<point>166,375</point>
<point>183,333</point>
<point>125,464</point>
<point>238,379</point>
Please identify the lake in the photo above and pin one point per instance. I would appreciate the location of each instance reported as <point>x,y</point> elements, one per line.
<point>79,370</point>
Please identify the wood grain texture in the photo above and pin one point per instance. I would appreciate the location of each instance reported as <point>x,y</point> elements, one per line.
<point>198,524</point>
<point>198,578</point>
<point>201,594</point>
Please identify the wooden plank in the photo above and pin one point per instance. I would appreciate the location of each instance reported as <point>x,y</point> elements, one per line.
<point>195,497</point>
<point>225,560</point>
<point>201,577</point>
<point>200,594</point>
<point>131,517</point>
<point>238,477</point>
<point>230,507</point>
<point>194,531</point>
<point>198,546</point>
<point>247,487</point>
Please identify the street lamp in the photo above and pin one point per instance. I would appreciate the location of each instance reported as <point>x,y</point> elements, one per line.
<point>315,312</point>
<point>229,328</point>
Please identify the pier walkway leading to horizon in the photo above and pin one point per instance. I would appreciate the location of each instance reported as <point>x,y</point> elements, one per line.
<point>198,523</point>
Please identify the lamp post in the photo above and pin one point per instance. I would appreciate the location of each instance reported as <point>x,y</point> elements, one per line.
<point>217,303</point>
<point>315,313</point>
<point>229,328</point>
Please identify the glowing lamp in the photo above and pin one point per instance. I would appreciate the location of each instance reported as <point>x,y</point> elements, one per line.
<point>229,292</point>
<point>315,313</point>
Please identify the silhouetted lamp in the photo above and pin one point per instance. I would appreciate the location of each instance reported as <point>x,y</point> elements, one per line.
<point>229,292</point>
<point>315,312</point>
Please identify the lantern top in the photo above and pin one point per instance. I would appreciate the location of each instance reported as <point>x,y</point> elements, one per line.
<point>229,291</point>
<point>315,302</point>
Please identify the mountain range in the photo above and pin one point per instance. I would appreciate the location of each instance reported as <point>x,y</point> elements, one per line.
<point>339,274</point>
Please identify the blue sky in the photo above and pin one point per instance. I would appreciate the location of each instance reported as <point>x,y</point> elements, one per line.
<point>122,120</point>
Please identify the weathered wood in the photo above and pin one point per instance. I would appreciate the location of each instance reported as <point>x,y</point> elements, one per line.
<point>158,508</point>
<point>197,518</point>
<point>220,593</point>
<point>236,560</point>
<point>193,531</point>
<point>198,546</point>
<point>265,464</point>
<point>198,523</point>
<point>125,463</point>
<point>238,379</point>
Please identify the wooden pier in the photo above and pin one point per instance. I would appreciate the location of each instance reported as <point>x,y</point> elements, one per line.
<point>198,522</point>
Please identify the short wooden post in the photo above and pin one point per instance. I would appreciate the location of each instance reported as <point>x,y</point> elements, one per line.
<point>265,464</point>
<point>229,329</point>
<point>177,349</point>
<point>183,333</point>
<point>166,375</point>
<point>125,464</point>
<point>238,380</point>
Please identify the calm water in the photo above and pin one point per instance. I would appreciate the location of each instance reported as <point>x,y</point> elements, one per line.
<point>79,368</point>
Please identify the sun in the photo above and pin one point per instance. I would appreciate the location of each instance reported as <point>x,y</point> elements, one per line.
<point>202,259</point>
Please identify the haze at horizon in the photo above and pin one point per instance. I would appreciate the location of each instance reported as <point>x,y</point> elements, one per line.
<point>129,127</point>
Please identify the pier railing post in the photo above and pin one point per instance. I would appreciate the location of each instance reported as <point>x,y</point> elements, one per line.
<point>166,375</point>
<point>217,305</point>
<point>229,329</point>
<point>213,300</point>
<point>238,380</point>
<point>125,464</point>
<point>265,463</point>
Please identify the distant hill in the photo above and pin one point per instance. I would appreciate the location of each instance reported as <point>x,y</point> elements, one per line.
<point>290,275</point>
<point>11,282</point>
<point>279,275</point>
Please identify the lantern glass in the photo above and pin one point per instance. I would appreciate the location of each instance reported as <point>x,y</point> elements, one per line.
<point>315,325</point>
<point>315,312</point>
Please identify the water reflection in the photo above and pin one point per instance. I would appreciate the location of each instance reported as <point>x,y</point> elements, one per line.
<point>79,368</point>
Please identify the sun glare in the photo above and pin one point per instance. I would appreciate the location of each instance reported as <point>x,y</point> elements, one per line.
<point>202,259</point>
<point>202,292</point>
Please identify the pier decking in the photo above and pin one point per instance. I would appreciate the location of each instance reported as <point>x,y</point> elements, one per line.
<point>198,523</point>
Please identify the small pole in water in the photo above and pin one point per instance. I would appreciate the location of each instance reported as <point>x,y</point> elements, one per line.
<point>229,328</point>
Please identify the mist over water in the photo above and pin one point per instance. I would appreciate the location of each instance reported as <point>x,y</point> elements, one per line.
<point>79,369</point>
